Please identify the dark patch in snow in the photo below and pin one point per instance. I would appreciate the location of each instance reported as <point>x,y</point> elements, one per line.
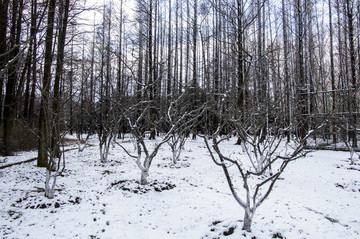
<point>134,186</point>
<point>244,235</point>
<point>93,237</point>
<point>14,214</point>
<point>349,166</point>
<point>333,220</point>
<point>106,172</point>
<point>278,235</point>
<point>338,185</point>
<point>219,228</point>
<point>229,231</point>
<point>353,168</point>
<point>216,222</point>
<point>40,202</point>
<point>178,165</point>
<point>352,186</point>
<point>77,200</point>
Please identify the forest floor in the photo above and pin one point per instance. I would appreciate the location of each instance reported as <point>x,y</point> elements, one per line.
<point>318,197</point>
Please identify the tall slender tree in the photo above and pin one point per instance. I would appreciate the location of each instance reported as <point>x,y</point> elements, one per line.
<point>64,14</point>
<point>44,142</point>
<point>10,103</point>
<point>4,5</point>
<point>353,83</point>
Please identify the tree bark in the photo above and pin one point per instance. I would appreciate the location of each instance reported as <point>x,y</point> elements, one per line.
<point>169,66</point>
<point>144,176</point>
<point>248,218</point>
<point>10,97</point>
<point>55,147</point>
<point>4,5</point>
<point>353,91</point>
<point>332,72</point>
<point>44,107</point>
<point>31,60</point>
<point>300,70</point>
<point>194,77</point>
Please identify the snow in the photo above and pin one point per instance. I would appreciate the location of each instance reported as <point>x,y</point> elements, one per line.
<point>318,197</point>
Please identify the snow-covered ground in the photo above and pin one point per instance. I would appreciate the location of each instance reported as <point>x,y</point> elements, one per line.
<point>319,197</point>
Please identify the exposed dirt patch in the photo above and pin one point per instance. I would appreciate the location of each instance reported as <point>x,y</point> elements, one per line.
<point>134,186</point>
<point>219,229</point>
<point>34,202</point>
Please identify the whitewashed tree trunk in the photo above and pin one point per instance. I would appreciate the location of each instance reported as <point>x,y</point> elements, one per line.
<point>104,147</point>
<point>176,155</point>
<point>50,183</point>
<point>144,176</point>
<point>248,218</point>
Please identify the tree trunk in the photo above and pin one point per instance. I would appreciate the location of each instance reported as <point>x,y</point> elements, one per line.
<point>30,60</point>
<point>144,176</point>
<point>44,108</point>
<point>4,4</point>
<point>50,183</point>
<point>187,56</point>
<point>332,70</point>
<point>353,104</point>
<point>300,70</point>
<point>287,85</point>
<point>168,89</point>
<point>58,74</point>
<point>34,78</point>
<point>240,65</point>
<point>248,219</point>
<point>151,71</point>
<point>194,78</point>
<point>10,97</point>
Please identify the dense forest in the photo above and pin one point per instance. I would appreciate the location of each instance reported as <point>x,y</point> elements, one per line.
<point>177,67</point>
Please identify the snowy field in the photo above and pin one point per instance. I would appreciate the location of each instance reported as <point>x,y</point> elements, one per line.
<point>318,197</point>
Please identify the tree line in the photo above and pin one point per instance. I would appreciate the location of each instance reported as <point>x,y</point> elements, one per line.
<point>273,64</point>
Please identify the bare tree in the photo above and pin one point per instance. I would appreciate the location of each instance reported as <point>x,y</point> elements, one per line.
<point>253,170</point>
<point>106,125</point>
<point>178,124</point>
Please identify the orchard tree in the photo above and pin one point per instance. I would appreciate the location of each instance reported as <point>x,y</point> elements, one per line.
<point>178,123</point>
<point>263,156</point>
